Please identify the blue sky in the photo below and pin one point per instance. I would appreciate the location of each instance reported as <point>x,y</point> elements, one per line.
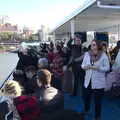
<point>34,13</point>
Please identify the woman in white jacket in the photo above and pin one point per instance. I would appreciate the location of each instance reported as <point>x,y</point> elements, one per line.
<point>96,64</point>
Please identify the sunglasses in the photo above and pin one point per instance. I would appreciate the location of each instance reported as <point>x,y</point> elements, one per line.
<point>93,44</point>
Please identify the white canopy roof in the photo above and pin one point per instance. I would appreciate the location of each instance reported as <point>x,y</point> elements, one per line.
<point>96,15</point>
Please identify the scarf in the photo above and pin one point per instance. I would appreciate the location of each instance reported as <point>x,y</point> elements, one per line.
<point>94,57</point>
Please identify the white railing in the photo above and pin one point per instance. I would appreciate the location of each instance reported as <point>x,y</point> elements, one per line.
<point>8,78</point>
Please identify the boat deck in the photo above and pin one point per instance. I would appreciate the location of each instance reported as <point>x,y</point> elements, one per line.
<point>111,107</point>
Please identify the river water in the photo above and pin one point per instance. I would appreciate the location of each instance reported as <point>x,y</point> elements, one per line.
<point>8,62</point>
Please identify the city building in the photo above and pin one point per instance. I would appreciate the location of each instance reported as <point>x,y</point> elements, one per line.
<point>43,33</point>
<point>27,31</point>
<point>7,27</point>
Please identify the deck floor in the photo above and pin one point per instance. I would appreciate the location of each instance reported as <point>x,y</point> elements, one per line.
<point>110,109</point>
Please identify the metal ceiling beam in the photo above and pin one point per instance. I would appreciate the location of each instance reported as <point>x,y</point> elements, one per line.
<point>100,5</point>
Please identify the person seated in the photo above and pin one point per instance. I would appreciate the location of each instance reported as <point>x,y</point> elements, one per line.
<point>9,92</point>
<point>50,99</point>
<point>30,83</point>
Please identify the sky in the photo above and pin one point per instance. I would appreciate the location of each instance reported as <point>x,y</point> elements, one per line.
<point>34,13</point>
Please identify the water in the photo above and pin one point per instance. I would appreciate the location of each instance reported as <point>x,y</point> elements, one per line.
<point>8,62</point>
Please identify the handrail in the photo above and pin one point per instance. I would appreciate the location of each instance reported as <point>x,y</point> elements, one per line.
<point>6,79</point>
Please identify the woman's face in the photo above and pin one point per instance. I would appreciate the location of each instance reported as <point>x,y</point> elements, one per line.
<point>94,46</point>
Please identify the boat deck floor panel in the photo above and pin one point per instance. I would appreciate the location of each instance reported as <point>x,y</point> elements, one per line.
<point>110,107</point>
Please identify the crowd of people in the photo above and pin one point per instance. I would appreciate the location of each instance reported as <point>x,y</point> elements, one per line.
<point>43,77</point>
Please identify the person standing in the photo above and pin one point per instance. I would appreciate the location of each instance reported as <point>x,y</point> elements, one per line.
<point>26,58</point>
<point>116,57</point>
<point>57,69</point>
<point>106,50</point>
<point>75,63</point>
<point>95,64</point>
<point>49,98</point>
<point>115,51</point>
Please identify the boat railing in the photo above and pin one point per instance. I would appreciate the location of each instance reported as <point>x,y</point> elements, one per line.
<point>9,77</point>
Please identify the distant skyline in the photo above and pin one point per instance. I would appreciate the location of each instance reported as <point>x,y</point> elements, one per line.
<point>34,13</point>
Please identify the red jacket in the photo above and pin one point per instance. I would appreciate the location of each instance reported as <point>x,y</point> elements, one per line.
<point>27,107</point>
<point>51,56</point>
<point>57,67</point>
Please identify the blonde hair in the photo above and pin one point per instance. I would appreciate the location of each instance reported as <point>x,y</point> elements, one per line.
<point>44,76</point>
<point>12,88</point>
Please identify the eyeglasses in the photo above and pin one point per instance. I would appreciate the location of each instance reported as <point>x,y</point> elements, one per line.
<point>93,44</point>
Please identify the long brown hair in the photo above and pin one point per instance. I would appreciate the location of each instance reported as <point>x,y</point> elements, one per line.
<point>99,44</point>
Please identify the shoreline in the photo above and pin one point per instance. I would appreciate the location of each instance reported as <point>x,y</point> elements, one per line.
<point>2,51</point>
<point>8,51</point>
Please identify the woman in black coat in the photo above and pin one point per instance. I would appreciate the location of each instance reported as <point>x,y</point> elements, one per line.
<point>26,58</point>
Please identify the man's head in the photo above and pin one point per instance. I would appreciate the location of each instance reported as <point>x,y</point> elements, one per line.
<point>118,44</point>
<point>30,71</point>
<point>77,40</point>
<point>104,46</point>
<point>43,77</point>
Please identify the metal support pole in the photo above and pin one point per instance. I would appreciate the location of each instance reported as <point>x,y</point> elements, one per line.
<point>54,35</point>
<point>72,28</point>
<point>118,32</point>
